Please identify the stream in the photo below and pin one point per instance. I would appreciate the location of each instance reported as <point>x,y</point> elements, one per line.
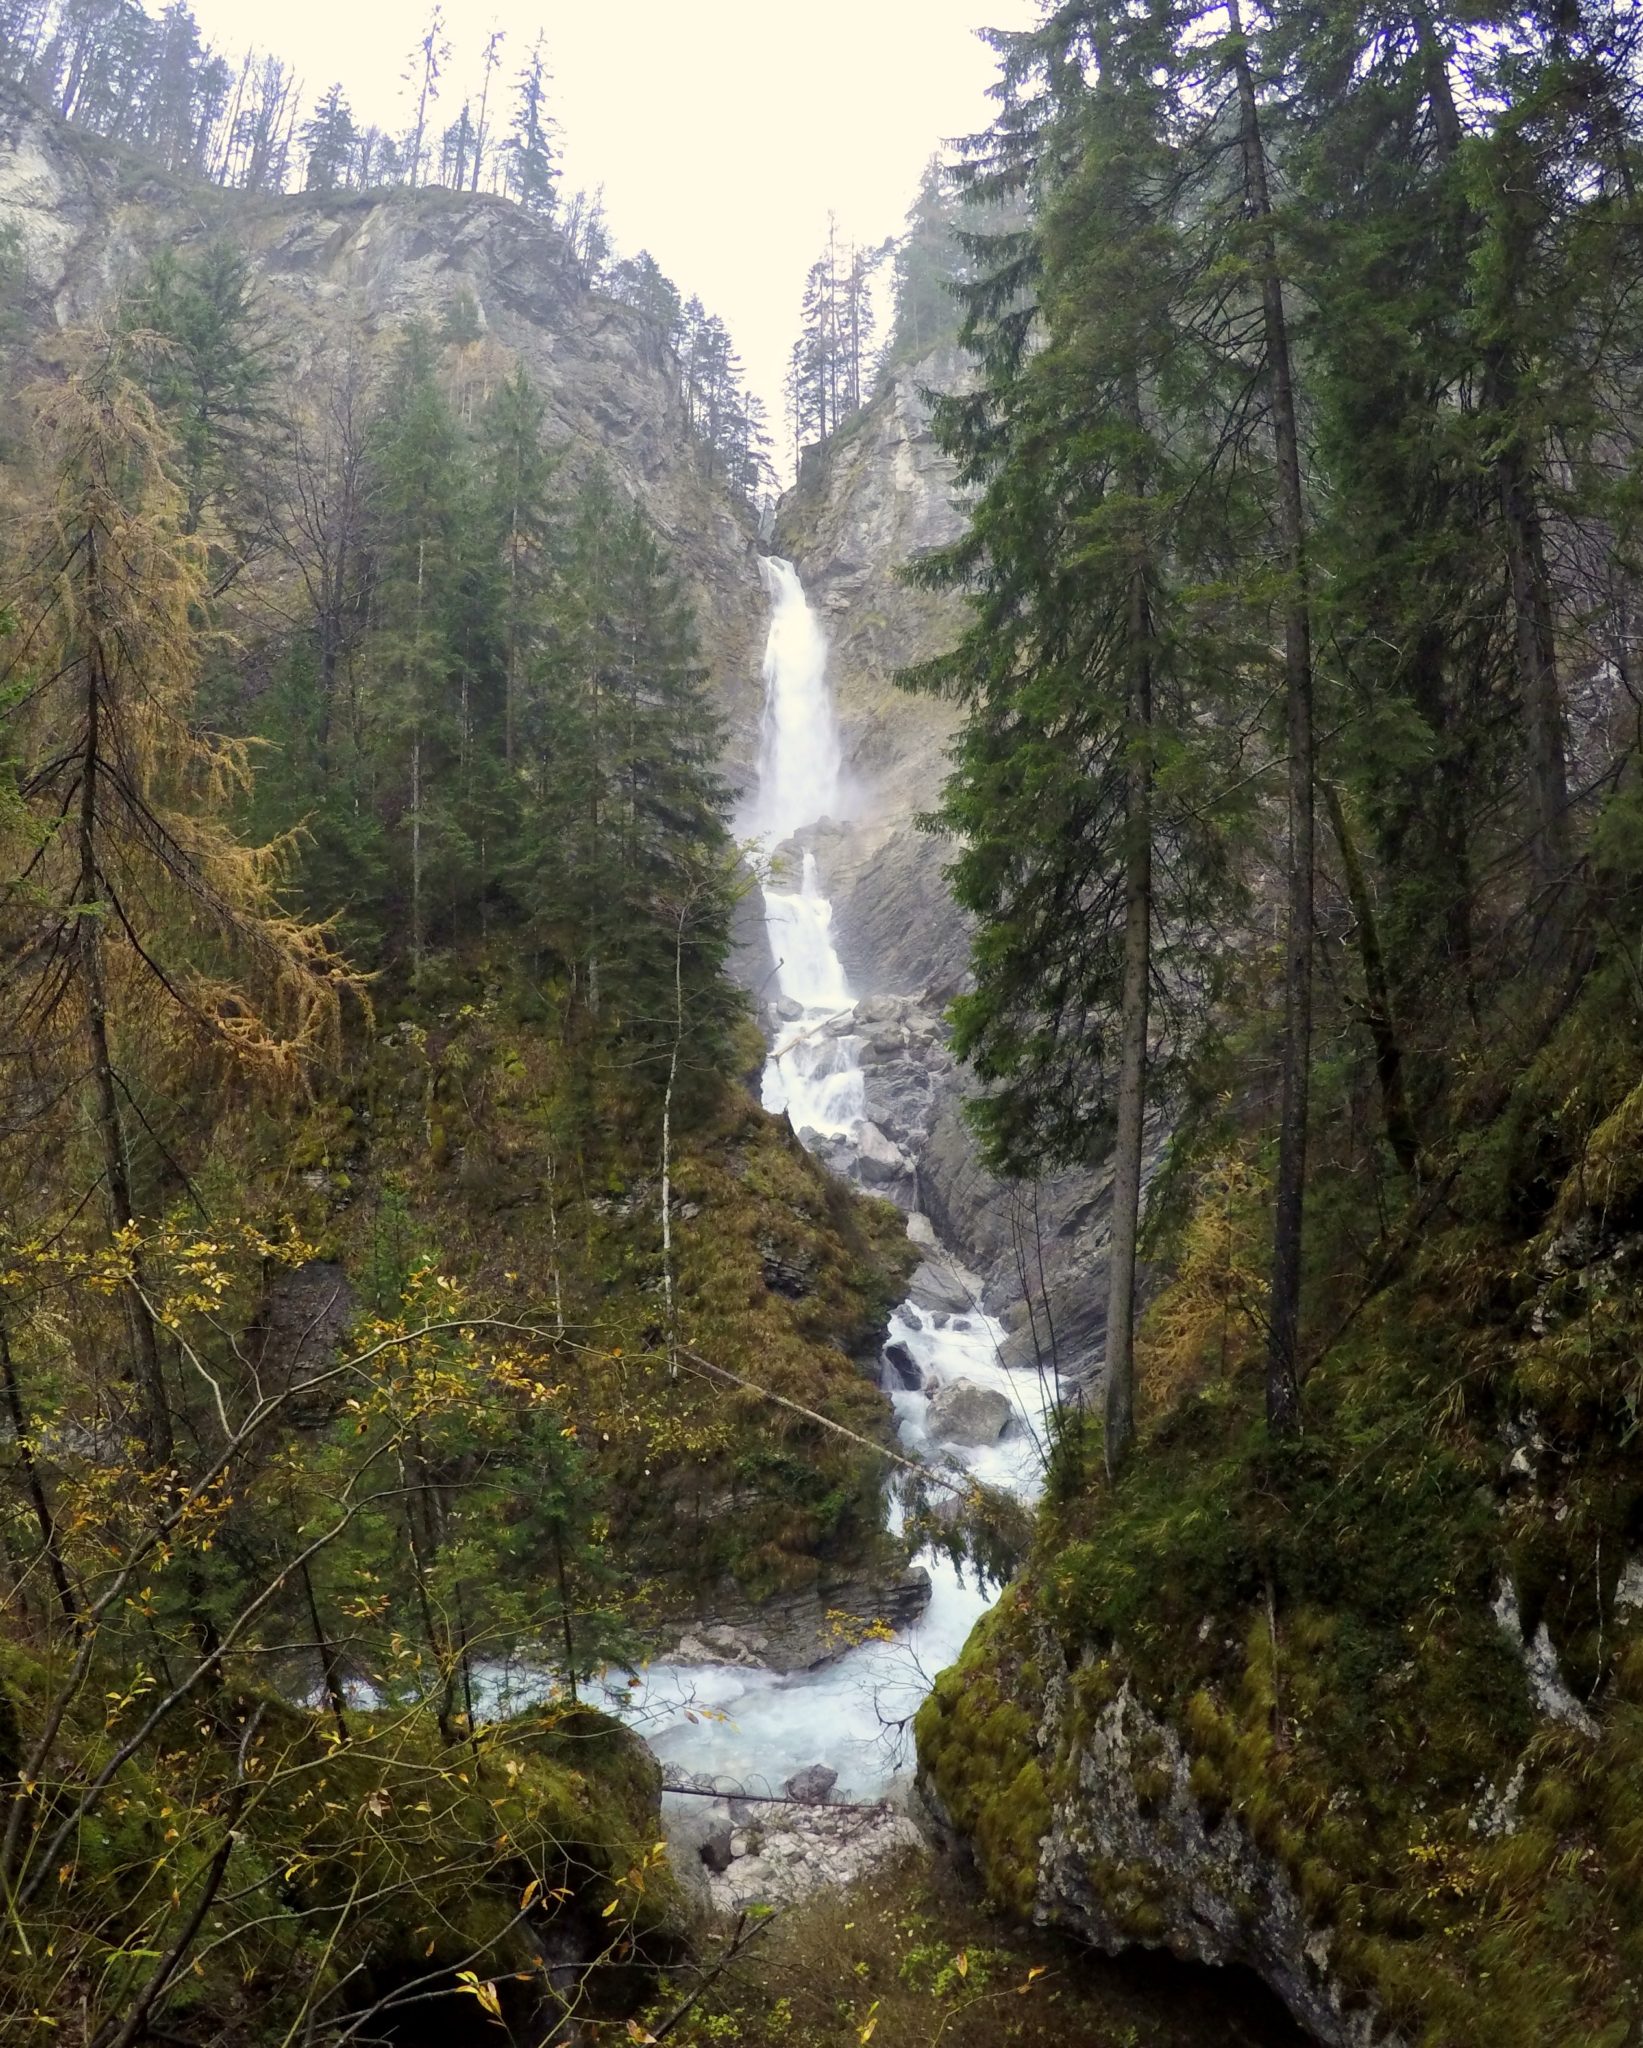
<point>746,1725</point>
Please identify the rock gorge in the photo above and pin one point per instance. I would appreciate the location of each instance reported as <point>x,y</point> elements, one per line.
<point>1356,1712</point>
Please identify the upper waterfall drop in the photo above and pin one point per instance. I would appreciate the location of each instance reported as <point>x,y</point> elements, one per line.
<point>799,755</point>
<point>812,1073</point>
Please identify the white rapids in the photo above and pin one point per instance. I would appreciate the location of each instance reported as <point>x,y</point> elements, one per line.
<point>753,1726</point>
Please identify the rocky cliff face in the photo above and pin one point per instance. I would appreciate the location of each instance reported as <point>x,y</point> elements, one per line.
<point>342,271</point>
<point>875,497</point>
<point>1083,1810</point>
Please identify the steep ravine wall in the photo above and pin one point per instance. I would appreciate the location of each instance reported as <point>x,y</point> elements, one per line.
<point>876,496</point>
<point>338,273</point>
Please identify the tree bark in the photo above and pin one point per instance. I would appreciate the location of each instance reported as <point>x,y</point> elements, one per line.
<point>1118,1388</point>
<point>1283,1377</point>
<point>1535,635</point>
<point>330,1668</point>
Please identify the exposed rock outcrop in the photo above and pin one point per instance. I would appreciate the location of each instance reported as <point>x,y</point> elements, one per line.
<point>339,272</point>
<point>803,1630</point>
<point>1083,1811</point>
<point>878,495</point>
<point>732,1853</point>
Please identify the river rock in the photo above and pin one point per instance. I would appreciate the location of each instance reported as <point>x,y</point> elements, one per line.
<point>878,1161</point>
<point>963,1413</point>
<point>904,1365</point>
<point>721,1643</point>
<point>717,1848</point>
<point>800,1631</point>
<point>939,1285</point>
<point>813,1785</point>
<point>814,1848</point>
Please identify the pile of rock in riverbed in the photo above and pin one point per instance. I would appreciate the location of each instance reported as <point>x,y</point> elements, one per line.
<point>734,1850</point>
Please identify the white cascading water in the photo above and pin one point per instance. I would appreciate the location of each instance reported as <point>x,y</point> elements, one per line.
<point>812,1073</point>
<point>852,1715</point>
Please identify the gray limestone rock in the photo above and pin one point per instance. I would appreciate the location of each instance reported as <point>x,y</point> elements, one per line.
<point>963,1413</point>
<point>814,1848</point>
<point>799,1631</point>
<point>940,1285</point>
<point>813,1785</point>
<point>1129,1845</point>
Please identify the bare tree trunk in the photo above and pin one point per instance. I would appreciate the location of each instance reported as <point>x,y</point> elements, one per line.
<point>565,1612</point>
<point>330,1668</point>
<point>1536,640</point>
<point>132,2027</point>
<point>1283,1343</point>
<point>667,1146</point>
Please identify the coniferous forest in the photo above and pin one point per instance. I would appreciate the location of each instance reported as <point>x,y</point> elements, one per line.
<point>415,1322</point>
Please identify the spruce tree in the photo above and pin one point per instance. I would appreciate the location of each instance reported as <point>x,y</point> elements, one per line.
<point>1094,678</point>
<point>533,171</point>
<point>211,379</point>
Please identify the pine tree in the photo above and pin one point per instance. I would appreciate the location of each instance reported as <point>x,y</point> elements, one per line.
<point>519,473</point>
<point>212,377</point>
<point>928,264</point>
<point>533,171</point>
<point>628,809</point>
<point>1095,681</point>
<point>329,140</point>
<point>419,492</point>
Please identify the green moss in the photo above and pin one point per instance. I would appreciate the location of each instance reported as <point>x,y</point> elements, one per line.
<point>1315,1620</point>
<point>977,1747</point>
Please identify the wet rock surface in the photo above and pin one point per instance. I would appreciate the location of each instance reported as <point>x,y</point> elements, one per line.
<point>804,1630</point>
<point>812,1785</point>
<point>1037,1252</point>
<point>963,1413</point>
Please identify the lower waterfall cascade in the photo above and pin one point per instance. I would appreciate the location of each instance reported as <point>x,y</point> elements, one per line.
<point>750,1727</point>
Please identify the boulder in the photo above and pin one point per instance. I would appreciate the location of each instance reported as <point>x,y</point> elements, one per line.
<point>963,1413</point>
<point>877,1159</point>
<point>813,1785</point>
<point>938,1284</point>
<point>716,1849</point>
<point>904,1365</point>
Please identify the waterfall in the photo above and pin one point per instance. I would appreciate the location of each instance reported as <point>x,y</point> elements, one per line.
<point>813,1073</point>
<point>757,1726</point>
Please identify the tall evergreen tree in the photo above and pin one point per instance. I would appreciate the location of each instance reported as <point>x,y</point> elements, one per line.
<point>329,140</point>
<point>533,170</point>
<point>1097,673</point>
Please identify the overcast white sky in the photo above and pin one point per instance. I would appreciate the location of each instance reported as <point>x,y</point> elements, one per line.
<point>722,130</point>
